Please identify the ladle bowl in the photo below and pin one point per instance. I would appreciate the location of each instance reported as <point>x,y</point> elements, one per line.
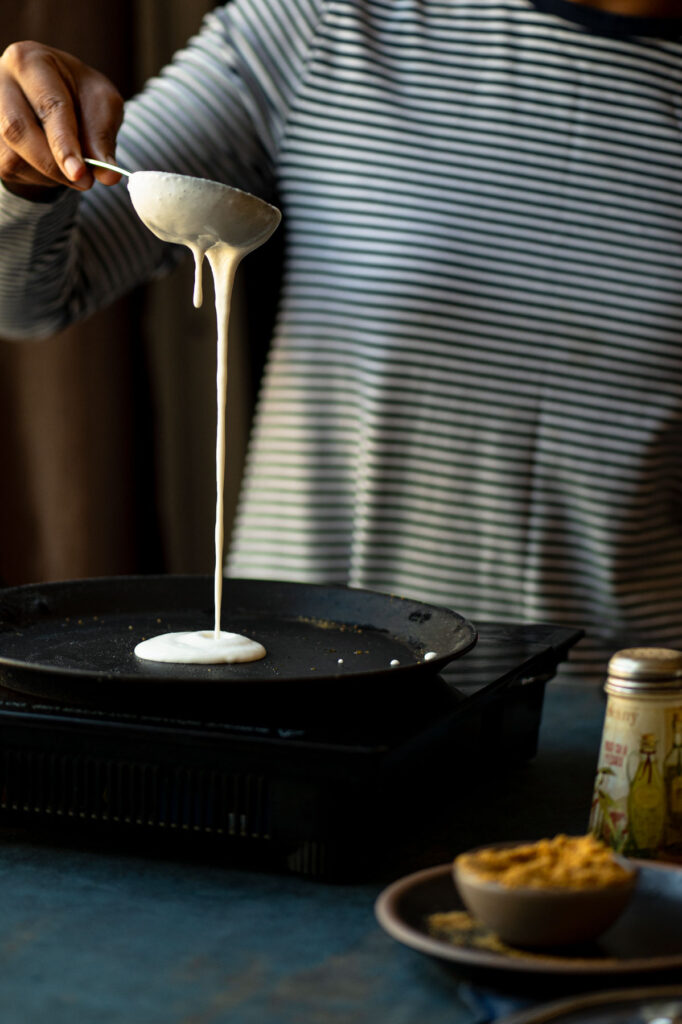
<point>202,211</point>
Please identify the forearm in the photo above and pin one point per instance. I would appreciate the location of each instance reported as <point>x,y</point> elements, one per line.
<point>34,267</point>
<point>60,261</point>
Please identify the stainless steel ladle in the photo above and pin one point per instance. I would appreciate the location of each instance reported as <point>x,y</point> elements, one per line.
<point>107,167</point>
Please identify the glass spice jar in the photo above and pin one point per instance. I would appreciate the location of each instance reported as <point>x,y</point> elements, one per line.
<point>637,799</point>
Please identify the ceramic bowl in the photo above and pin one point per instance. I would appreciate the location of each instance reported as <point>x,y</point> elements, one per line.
<point>538,918</point>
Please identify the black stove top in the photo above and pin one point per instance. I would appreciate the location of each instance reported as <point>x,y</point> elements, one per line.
<point>302,786</point>
<point>504,655</point>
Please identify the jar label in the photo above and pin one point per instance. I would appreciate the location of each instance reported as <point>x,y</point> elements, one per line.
<point>637,799</point>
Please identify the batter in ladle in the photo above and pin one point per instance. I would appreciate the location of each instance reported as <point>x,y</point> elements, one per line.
<point>222,224</point>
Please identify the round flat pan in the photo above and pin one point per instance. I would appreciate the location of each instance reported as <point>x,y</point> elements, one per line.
<point>75,640</point>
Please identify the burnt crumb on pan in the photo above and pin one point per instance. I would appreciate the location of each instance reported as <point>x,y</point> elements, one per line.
<point>419,616</point>
<point>342,627</point>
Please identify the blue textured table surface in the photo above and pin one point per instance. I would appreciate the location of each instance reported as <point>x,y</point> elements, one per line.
<point>107,936</point>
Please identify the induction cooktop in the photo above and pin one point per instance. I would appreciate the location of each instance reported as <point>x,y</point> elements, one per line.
<point>318,794</point>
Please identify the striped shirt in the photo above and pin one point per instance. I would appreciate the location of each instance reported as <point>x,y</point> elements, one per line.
<point>474,390</point>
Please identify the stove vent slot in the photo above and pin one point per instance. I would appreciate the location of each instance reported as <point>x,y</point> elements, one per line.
<point>134,794</point>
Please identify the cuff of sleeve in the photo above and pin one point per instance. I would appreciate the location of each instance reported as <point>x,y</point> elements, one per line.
<point>15,208</point>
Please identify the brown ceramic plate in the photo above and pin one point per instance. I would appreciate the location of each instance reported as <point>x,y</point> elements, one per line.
<point>647,936</point>
<point>619,1006</point>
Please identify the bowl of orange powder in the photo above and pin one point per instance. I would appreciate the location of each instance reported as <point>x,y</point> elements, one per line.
<point>553,892</point>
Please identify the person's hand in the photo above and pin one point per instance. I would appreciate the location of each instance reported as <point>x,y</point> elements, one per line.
<point>53,111</point>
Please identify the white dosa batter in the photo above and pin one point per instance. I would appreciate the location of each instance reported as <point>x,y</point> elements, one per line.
<point>202,215</point>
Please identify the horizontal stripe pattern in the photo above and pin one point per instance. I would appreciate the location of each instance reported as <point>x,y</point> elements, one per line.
<point>478,352</point>
<point>474,392</point>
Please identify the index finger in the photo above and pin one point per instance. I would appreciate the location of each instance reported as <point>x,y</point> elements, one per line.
<point>40,123</point>
<point>52,98</point>
<point>24,138</point>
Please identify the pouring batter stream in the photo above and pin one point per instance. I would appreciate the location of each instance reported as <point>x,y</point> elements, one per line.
<point>223,224</point>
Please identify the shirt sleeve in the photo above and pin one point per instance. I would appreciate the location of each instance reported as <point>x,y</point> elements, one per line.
<point>218,110</point>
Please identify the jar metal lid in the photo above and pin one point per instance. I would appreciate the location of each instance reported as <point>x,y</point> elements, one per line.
<point>645,668</point>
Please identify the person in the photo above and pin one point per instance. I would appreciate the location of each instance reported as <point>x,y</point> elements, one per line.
<point>473,395</point>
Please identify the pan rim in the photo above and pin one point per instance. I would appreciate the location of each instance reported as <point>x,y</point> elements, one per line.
<point>10,599</point>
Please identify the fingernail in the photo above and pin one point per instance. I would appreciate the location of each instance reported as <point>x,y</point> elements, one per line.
<point>73,166</point>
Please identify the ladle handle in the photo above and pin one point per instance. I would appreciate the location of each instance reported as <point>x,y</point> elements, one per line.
<point>107,167</point>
